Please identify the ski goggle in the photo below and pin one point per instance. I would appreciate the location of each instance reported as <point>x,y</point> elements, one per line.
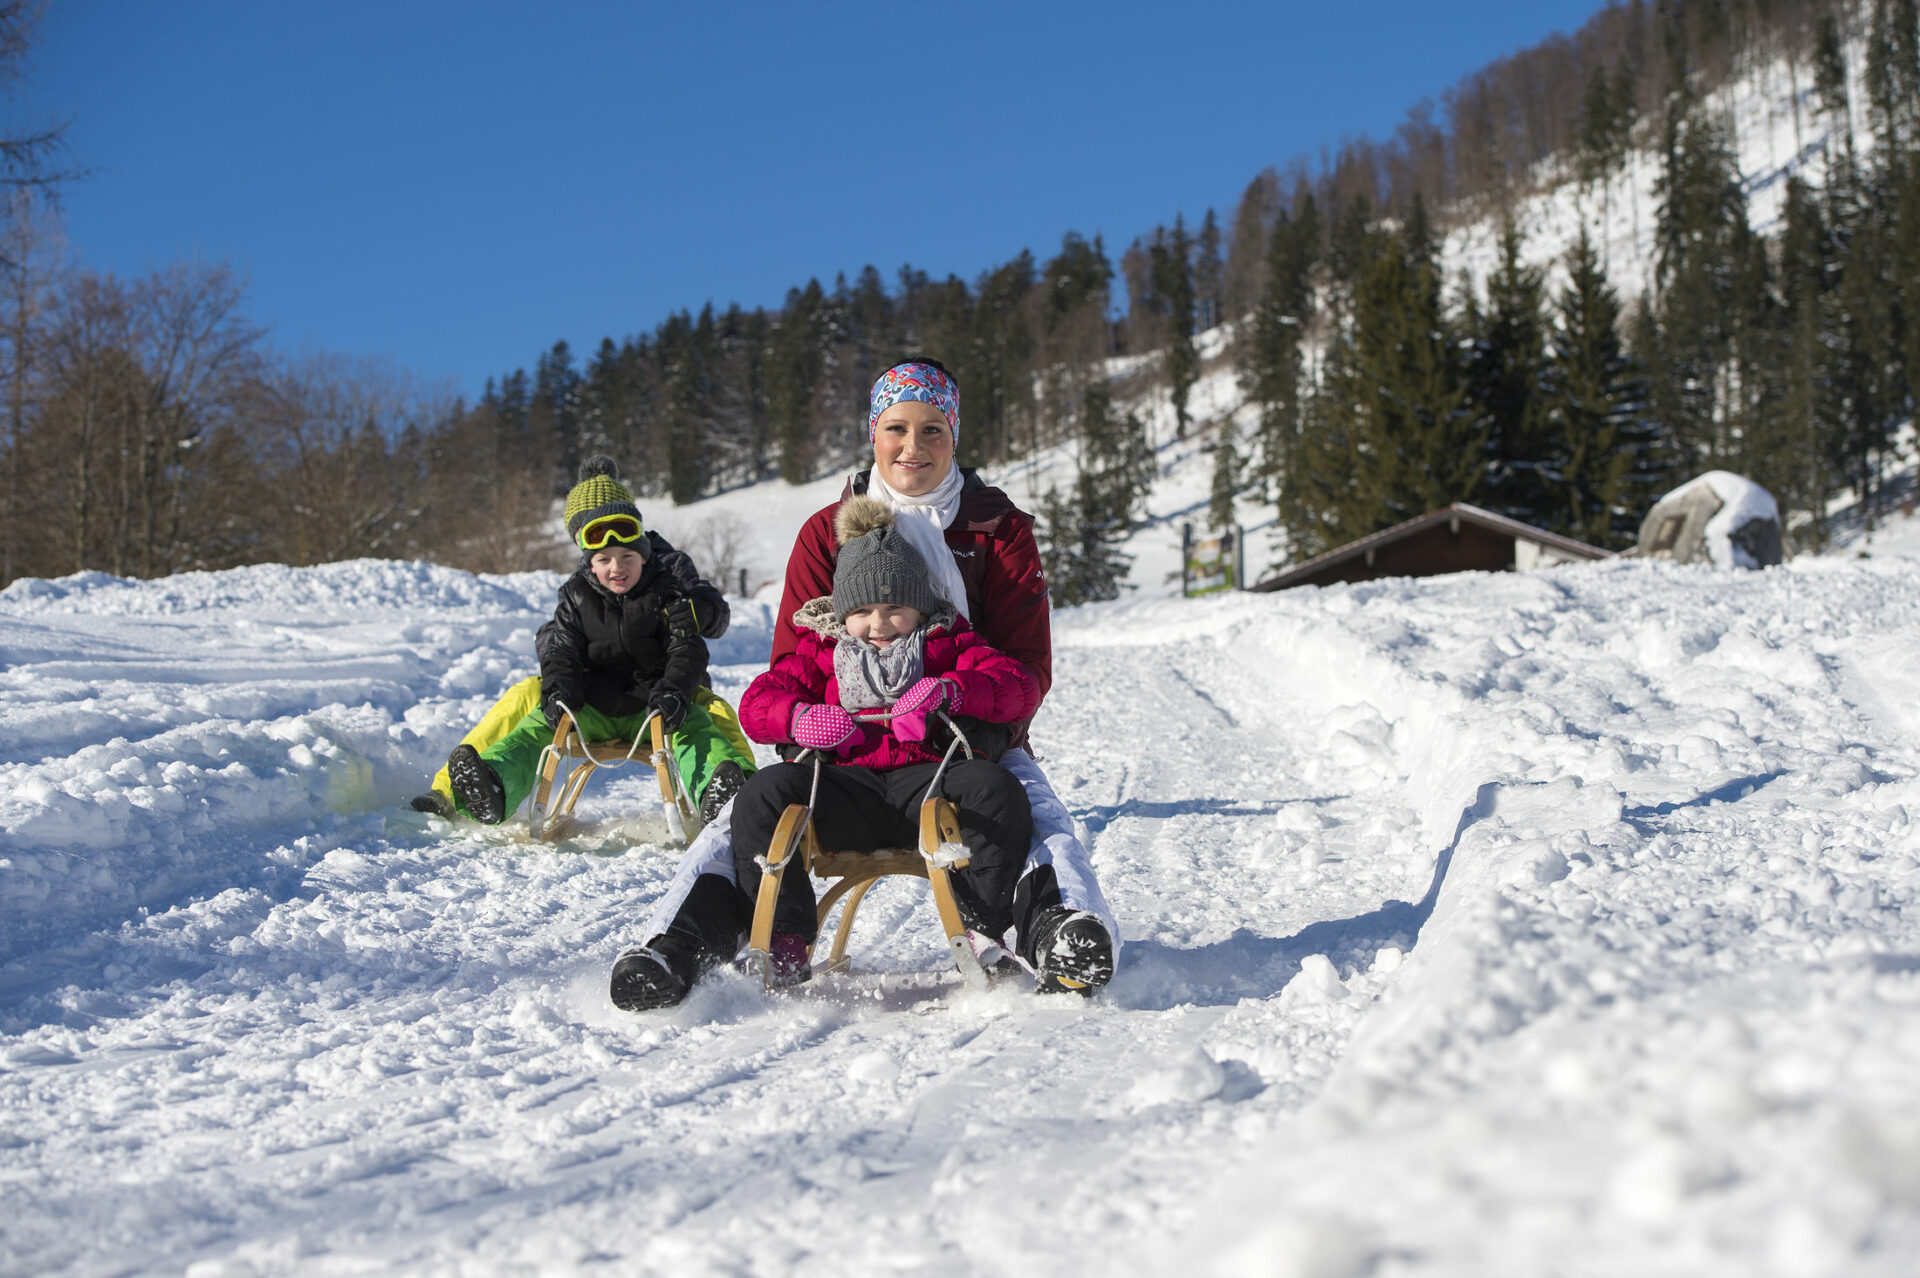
<point>624,529</point>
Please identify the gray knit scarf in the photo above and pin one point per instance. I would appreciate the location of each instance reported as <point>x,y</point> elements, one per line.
<point>873,678</point>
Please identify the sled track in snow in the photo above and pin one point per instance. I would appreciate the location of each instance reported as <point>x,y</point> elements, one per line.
<point>1567,916</point>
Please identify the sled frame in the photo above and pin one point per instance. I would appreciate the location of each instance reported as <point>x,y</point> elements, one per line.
<point>794,846</point>
<point>570,761</point>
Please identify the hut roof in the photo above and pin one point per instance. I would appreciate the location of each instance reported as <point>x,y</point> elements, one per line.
<point>1494,531</point>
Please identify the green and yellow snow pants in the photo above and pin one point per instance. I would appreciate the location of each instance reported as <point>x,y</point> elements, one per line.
<point>511,711</point>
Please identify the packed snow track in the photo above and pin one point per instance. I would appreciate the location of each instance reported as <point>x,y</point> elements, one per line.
<point>1556,924</point>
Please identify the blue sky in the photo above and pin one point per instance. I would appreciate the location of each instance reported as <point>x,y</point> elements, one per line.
<point>456,186</point>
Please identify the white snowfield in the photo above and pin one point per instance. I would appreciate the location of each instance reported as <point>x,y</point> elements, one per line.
<point>1550,924</point>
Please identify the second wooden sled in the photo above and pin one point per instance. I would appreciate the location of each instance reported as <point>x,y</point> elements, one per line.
<point>567,764</point>
<point>794,846</point>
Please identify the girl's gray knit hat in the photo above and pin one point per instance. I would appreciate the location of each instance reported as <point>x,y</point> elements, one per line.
<point>877,564</point>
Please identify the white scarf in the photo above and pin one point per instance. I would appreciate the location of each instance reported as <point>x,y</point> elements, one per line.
<point>923,521</point>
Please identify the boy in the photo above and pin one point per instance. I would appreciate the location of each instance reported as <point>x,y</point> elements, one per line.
<point>710,609</point>
<point>624,643</point>
<point>884,641</point>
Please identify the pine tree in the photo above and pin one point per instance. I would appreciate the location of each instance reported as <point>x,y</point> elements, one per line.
<point>1605,454</point>
<point>997,365</point>
<point>1505,372</point>
<point>1350,248</point>
<point>1703,243</point>
<point>1830,84</point>
<point>1073,340</point>
<point>1172,257</point>
<point>1226,476</point>
<point>1809,427</point>
<point>793,374</point>
<point>1606,124</point>
<point>1080,534</point>
<point>1865,335</point>
<point>554,412</point>
<point>1208,274</point>
<point>1243,275</point>
<point>1893,78</point>
<point>1271,361</point>
<point>685,354</point>
<point>1391,431</point>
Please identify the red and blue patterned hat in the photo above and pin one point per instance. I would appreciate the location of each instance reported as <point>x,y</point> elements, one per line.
<point>916,381</point>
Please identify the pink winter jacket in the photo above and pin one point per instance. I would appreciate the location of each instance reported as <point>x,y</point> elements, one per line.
<point>987,684</point>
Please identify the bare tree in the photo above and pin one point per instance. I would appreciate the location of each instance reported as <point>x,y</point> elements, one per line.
<point>331,433</point>
<point>30,250</point>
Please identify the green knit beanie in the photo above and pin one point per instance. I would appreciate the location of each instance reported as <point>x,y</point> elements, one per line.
<point>599,494</point>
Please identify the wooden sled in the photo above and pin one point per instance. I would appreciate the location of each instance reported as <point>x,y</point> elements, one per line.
<point>794,846</point>
<point>550,814</point>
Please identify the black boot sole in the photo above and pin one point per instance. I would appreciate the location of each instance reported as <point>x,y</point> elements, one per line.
<point>726,782</point>
<point>477,786</point>
<point>642,982</point>
<point>1088,965</point>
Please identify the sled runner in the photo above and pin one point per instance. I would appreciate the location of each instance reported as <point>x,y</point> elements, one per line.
<point>560,782</point>
<point>794,846</point>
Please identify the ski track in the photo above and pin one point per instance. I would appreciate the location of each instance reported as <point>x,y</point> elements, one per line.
<point>1556,924</point>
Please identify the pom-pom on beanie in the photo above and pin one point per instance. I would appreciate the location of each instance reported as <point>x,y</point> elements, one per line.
<point>877,564</point>
<point>599,494</point>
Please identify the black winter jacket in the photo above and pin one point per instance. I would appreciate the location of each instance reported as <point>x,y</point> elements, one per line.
<point>609,651</point>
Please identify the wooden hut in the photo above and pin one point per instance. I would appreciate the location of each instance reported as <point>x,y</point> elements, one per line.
<point>1456,538</point>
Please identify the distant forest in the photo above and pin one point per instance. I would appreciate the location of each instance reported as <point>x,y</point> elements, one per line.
<point>150,428</point>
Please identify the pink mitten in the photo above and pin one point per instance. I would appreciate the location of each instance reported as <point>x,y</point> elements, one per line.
<point>822,727</point>
<point>915,704</point>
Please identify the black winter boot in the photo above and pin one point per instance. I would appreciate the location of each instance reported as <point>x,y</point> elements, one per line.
<point>657,974</point>
<point>434,803</point>
<point>477,785</point>
<point>1072,951</point>
<point>723,785</point>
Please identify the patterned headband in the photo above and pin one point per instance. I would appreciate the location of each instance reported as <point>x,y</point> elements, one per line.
<point>923,382</point>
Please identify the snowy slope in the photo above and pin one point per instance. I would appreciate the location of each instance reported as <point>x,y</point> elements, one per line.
<point>1479,925</point>
<point>1776,128</point>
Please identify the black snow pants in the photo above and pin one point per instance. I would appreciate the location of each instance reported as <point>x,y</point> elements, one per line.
<point>860,810</point>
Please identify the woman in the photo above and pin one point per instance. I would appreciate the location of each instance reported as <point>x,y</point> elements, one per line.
<point>980,547</point>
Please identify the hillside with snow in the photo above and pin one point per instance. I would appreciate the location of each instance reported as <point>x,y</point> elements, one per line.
<point>1563,923</point>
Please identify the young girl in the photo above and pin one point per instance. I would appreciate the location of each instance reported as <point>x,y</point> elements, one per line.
<point>883,641</point>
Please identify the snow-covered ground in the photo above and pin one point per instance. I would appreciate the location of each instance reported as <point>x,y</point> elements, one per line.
<point>1558,924</point>
<point>1561,923</point>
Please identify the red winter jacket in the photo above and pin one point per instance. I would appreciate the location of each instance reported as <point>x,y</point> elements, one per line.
<point>987,684</point>
<point>992,541</point>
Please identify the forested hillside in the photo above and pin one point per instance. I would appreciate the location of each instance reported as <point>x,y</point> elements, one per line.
<point>150,427</point>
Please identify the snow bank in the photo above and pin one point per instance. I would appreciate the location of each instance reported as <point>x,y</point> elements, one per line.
<point>1484,924</point>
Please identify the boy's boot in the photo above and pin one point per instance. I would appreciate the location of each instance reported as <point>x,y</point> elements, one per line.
<point>477,785</point>
<point>724,784</point>
<point>1072,951</point>
<point>657,974</point>
<point>434,803</point>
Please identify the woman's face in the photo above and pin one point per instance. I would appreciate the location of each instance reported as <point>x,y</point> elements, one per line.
<point>912,447</point>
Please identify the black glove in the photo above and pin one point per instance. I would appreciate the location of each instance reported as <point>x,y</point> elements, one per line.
<point>683,619</point>
<point>670,706</point>
<point>551,708</point>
